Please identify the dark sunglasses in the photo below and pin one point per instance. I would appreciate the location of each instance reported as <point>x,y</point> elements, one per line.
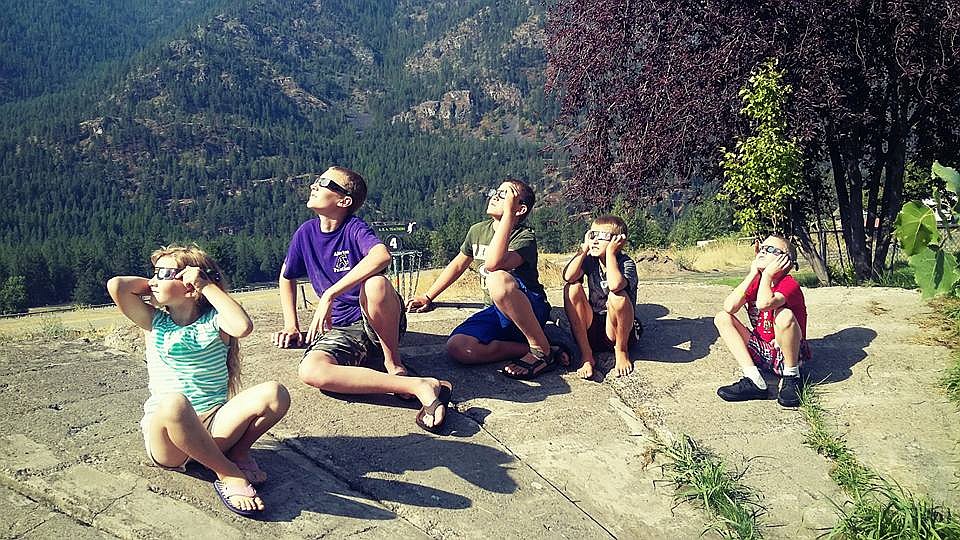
<point>332,186</point>
<point>165,274</point>
<point>599,235</point>
<point>498,193</point>
<point>771,249</point>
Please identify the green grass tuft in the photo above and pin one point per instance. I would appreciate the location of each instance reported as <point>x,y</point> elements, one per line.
<point>889,512</point>
<point>700,477</point>
<point>877,509</point>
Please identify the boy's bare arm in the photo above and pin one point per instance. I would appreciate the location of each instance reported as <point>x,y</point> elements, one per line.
<point>738,297</point>
<point>126,292</point>
<point>498,257</point>
<point>290,334</point>
<point>766,298</point>
<point>374,262</point>
<point>615,279</point>
<point>454,269</point>
<point>573,271</point>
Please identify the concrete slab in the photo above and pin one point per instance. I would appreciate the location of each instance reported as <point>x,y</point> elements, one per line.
<point>554,458</point>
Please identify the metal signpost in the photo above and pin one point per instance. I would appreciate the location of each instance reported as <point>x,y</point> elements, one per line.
<point>406,264</point>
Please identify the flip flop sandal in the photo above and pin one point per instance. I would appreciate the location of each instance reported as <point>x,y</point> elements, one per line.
<point>530,368</point>
<point>225,492</point>
<point>443,398</point>
<point>251,466</point>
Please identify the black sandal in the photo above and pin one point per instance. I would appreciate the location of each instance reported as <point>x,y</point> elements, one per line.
<point>530,368</point>
<point>443,398</point>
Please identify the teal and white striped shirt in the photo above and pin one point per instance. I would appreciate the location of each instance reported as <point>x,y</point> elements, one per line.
<point>190,360</point>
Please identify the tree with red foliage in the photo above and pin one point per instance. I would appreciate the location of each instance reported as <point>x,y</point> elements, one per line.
<point>649,91</point>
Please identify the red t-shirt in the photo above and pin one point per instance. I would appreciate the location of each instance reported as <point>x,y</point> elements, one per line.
<point>762,321</point>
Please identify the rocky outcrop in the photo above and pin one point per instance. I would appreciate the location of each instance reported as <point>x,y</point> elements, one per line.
<point>455,108</point>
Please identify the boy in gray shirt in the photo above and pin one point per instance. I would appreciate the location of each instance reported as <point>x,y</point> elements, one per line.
<point>605,319</point>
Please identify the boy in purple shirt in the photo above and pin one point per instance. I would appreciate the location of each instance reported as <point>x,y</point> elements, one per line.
<point>359,316</point>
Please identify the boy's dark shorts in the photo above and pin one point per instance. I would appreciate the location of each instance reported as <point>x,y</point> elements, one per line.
<point>353,345</point>
<point>490,324</point>
<point>597,334</point>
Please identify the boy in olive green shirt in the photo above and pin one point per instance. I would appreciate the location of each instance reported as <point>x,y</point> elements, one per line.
<point>511,327</point>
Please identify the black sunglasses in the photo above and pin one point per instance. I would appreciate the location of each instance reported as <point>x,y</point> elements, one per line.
<point>166,274</point>
<point>332,186</point>
<point>771,249</point>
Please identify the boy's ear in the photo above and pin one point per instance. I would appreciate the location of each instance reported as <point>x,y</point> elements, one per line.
<point>522,209</point>
<point>345,202</point>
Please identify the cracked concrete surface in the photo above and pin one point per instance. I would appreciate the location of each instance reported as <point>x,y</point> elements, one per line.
<point>553,458</point>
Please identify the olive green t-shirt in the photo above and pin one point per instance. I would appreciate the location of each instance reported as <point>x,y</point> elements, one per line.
<point>522,240</point>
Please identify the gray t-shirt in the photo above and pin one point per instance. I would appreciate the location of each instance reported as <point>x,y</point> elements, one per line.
<point>597,280</point>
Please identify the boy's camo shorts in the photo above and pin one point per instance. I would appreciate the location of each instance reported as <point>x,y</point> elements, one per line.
<point>354,345</point>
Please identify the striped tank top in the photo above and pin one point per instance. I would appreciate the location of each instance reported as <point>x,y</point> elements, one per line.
<point>190,360</point>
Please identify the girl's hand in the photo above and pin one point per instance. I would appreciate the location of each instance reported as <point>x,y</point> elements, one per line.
<point>322,318</point>
<point>194,278</point>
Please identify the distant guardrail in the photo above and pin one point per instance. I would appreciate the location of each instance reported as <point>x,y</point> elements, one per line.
<point>75,307</point>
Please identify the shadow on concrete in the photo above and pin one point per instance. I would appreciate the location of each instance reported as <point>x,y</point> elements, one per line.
<point>361,462</point>
<point>834,355</point>
<point>663,340</point>
<point>479,381</point>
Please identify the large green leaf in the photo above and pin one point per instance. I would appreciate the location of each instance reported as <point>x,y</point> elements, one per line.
<point>949,175</point>
<point>935,271</point>
<point>916,227</point>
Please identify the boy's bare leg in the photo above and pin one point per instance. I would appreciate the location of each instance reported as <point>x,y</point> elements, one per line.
<point>468,350</point>
<point>381,305</point>
<point>245,418</point>
<point>175,433</point>
<point>619,326</point>
<point>787,331</point>
<point>320,370</point>
<point>513,303</point>
<point>580,314</point>
<point>735,336</point>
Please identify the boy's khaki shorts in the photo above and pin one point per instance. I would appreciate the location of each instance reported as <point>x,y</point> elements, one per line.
<point>354,345</point>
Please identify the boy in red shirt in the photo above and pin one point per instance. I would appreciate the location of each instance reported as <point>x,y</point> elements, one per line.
<point>778,315</point>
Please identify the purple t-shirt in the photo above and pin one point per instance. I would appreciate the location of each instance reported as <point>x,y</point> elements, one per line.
<point>327,257</point>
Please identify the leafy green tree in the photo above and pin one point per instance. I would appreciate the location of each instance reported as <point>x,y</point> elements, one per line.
<point>13,295</point>
<point>763,176</point>
<point>935,268</point>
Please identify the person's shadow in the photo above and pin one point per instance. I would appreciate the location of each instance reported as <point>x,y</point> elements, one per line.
<point>833,356</point>
<point>356,465</point>
<point>678,340</point>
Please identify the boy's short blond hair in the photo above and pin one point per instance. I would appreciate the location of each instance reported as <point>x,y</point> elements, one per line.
<point>355,184</point>
<point>619,226</point>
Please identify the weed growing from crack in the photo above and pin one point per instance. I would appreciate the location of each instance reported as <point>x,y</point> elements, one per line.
<point>699,476</point>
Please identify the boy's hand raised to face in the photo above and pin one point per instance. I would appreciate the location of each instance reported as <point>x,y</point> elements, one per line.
<point>616,243</point>
<point>511,204</point>
<point>780,265</point>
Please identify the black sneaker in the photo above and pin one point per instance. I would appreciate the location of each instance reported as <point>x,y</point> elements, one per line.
<point>743,390</point>
<point>789,394</point>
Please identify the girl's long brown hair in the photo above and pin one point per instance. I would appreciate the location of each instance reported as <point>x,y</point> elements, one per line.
<point>194,256</point>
